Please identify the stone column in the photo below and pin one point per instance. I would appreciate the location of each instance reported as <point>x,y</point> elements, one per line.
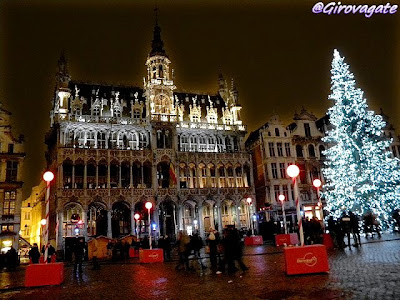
<point>60,176</point>
<point>120,175</point>
<point>130,175</point>
<point>85,176</point>
<point>156,219</point>
<point>219,212</point>
<point>97,175</point>
<point>108,175</point>
<point>85,225</point>
<point>109,229</point>
<point>238,216</point>
<point>60,238</point>
<point>201,221</point>
<point>132,221</point>
<point>180,217</point>
<point>73,176</point>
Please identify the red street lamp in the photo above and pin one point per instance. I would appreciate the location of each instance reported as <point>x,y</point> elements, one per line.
<point>149,205</point>
<point>137,217</point>
<point>48,177</point>
<point>317,184</point>
<point>293,171</point>
<point>282,199</point>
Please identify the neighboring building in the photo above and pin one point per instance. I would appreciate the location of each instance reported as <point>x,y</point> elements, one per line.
<point>12,157</point>
<point>274,147</point>
<point>113,148</point>
<point>33,210</point>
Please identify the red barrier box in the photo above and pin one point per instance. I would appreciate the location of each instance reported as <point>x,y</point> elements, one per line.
<point>294,239</point>
<point>306,259</point>
<point>133,252</point>
<point>253,240</point>
<point>282,239</point>
<point>151,255</point>
<point>327,240</point>
<point>44,274</point>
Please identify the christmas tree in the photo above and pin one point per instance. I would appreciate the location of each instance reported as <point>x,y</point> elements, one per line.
<point>359,172</point>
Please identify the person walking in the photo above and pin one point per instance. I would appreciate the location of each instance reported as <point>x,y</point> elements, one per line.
<point>346,227</point>
<point>167,247</point>
<point>213,246</point>
<point>355,229</point>
<point>34,254</point>
<point>183,245</point>
<point>78,251</point>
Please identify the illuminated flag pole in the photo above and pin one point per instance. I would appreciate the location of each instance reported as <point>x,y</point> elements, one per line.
<point>48,177</point>
<point>293,171</point>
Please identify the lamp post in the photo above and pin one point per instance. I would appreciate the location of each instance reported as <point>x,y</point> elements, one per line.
<point>317,184</point>
<point>293,171</point>
<point>282,199</point>
<point>137,217</point>
<point>48,177</point>
<point>249,200</point>
<point>149,205</point>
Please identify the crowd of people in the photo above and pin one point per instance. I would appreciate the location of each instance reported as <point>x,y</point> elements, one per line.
<point>224,252</point>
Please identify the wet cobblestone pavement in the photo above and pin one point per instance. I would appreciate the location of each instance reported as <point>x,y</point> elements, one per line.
<point>369,272</point>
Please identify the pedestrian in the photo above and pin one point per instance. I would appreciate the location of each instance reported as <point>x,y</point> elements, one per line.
<point>12,258</point>
<point>167,247</point>
<point>345,224</point>
<point>78,251</point>
<point>196,244</point>
<point>183,245</point>
<point>34,254</point>
<point>355,229</point>
<point>50,252</point>
<point>95,254</point>
<point>212,244</point>
<point>239,246</point>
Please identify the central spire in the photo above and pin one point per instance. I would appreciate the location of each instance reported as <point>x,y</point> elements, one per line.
<point>157,45</point>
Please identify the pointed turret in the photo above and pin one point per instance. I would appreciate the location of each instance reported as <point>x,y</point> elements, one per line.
<point>157,45</point>
<point>234,93</point>
<point>63,77</point>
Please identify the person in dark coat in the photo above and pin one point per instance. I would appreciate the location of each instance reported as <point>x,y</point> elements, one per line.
<point>79,251</point>
<point>12,258</point>
<point>167,247</point>
<point>50,252</point>
<point>34,254</point>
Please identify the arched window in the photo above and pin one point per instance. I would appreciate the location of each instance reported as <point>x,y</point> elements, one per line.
<point>203,144</point>
<point>311,151</point>
<point>184,143</point>
<point>228,144</point>
<point>211,143</point>
<point>220,144</point>
<point>160,71</point>
<point>101,140</point>
<point>277,132</point>
<point>193,143</point>
<point>299,151</point>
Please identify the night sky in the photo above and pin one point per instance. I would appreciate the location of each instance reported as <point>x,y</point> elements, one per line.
<point>279,53</point>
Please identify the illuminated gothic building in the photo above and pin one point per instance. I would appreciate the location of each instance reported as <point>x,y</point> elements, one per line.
<point>113,148</point>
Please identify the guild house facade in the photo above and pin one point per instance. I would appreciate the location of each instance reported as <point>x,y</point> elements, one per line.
<point>113,148</point>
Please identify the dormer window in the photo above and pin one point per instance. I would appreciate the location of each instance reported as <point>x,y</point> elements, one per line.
<point>117,112</point>
<point>136,114</point>
<point>96,111</point>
